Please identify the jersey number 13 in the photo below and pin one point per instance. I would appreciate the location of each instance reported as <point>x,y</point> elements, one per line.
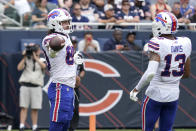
<point>178,58</point>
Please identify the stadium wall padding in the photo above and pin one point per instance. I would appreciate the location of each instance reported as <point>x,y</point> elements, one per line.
<point>121,71</point>
<point>10,40</point>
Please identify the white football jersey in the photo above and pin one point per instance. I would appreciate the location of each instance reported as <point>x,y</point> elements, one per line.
<point>164,87</point>
<point>61,67</point>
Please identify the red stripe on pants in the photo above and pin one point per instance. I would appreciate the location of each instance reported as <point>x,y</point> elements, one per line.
<point>143,113</point>
<point>57,102</point>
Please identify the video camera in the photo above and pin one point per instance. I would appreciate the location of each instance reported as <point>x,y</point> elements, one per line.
<point>30,49</point>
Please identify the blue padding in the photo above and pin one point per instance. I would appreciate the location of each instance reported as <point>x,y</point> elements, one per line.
<point>139,43</point>
<point>102,42</point>
<point>28,41</point>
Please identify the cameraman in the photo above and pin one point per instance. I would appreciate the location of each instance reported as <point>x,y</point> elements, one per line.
<point>31,80</point>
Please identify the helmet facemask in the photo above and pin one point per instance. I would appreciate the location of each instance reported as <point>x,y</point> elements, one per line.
<point>66,29</point>
<point>156,30</point>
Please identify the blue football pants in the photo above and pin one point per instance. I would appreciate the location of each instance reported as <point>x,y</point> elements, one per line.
<point>62,105</point>
<point>152,110</point>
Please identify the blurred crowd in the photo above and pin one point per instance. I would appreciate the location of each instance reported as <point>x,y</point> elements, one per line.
<point>115,43</point>
<point>34,12</point>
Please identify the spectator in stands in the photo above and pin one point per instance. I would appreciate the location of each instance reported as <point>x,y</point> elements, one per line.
<point>193,18</point>
<point>176,12</point>
<point>99,5</point>
<point>115,43</point>
<point>31,81</point>
<point>77,17</point>
<point>131,45</point>
<point>88,44</point>
<point>61,3</point>
<point>126,15</point>
<point>159,6</point>
<point>9,11</point>
<point>32,3</point>
<point>89,10</point>
<point>39,15</point>
<point>67,4</point>
<point>140,7</point>
<point>23,8</point>
<point>186,10</point>
<point>109,16</point>
<point>118,4</point>
<point>111,2</point>
<point>193,3</point>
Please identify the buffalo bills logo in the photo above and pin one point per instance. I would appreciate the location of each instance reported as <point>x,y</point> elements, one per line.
<point>53,14</point>
<point>160,18</point>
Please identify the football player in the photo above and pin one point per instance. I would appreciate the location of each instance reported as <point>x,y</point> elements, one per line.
<point>61,61</point>
<point>169,61</point>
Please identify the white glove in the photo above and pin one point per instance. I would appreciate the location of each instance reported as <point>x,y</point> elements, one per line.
<point>133,95</point>
<point>45,89</point>
<point>78,58</point>
<point>52,53</point>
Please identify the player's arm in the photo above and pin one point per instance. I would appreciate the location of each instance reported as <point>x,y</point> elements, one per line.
<point>80,76</point>
<point>187,68</point>
<point>147,76</point>
<point>77,81</point>
<point>55,45</point>
<point>82,73</point>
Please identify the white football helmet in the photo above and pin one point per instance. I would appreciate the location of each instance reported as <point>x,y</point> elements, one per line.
<point>164,23</point>
<point>54,20</point>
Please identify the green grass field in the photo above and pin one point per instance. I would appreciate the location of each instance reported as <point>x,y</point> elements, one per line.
<point>119,130</point>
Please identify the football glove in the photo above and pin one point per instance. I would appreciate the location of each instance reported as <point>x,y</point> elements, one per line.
<point>78,58</point>
<point>133,95</point>
<point>52,53</point>
<point>45,89</point>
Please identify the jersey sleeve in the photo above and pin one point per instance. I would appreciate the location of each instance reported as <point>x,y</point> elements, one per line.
<point>47,39</point>
<point>189,46</point>
<point>153,46</point>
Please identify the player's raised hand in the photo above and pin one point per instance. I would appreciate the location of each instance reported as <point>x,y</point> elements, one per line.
<point>78,58</point>
<point>133,95</point>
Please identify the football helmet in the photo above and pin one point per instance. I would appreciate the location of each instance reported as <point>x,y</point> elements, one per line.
<point>55,17</point>
<point>164,23</point>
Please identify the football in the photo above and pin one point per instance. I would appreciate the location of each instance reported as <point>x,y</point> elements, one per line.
<point>57,43</point>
